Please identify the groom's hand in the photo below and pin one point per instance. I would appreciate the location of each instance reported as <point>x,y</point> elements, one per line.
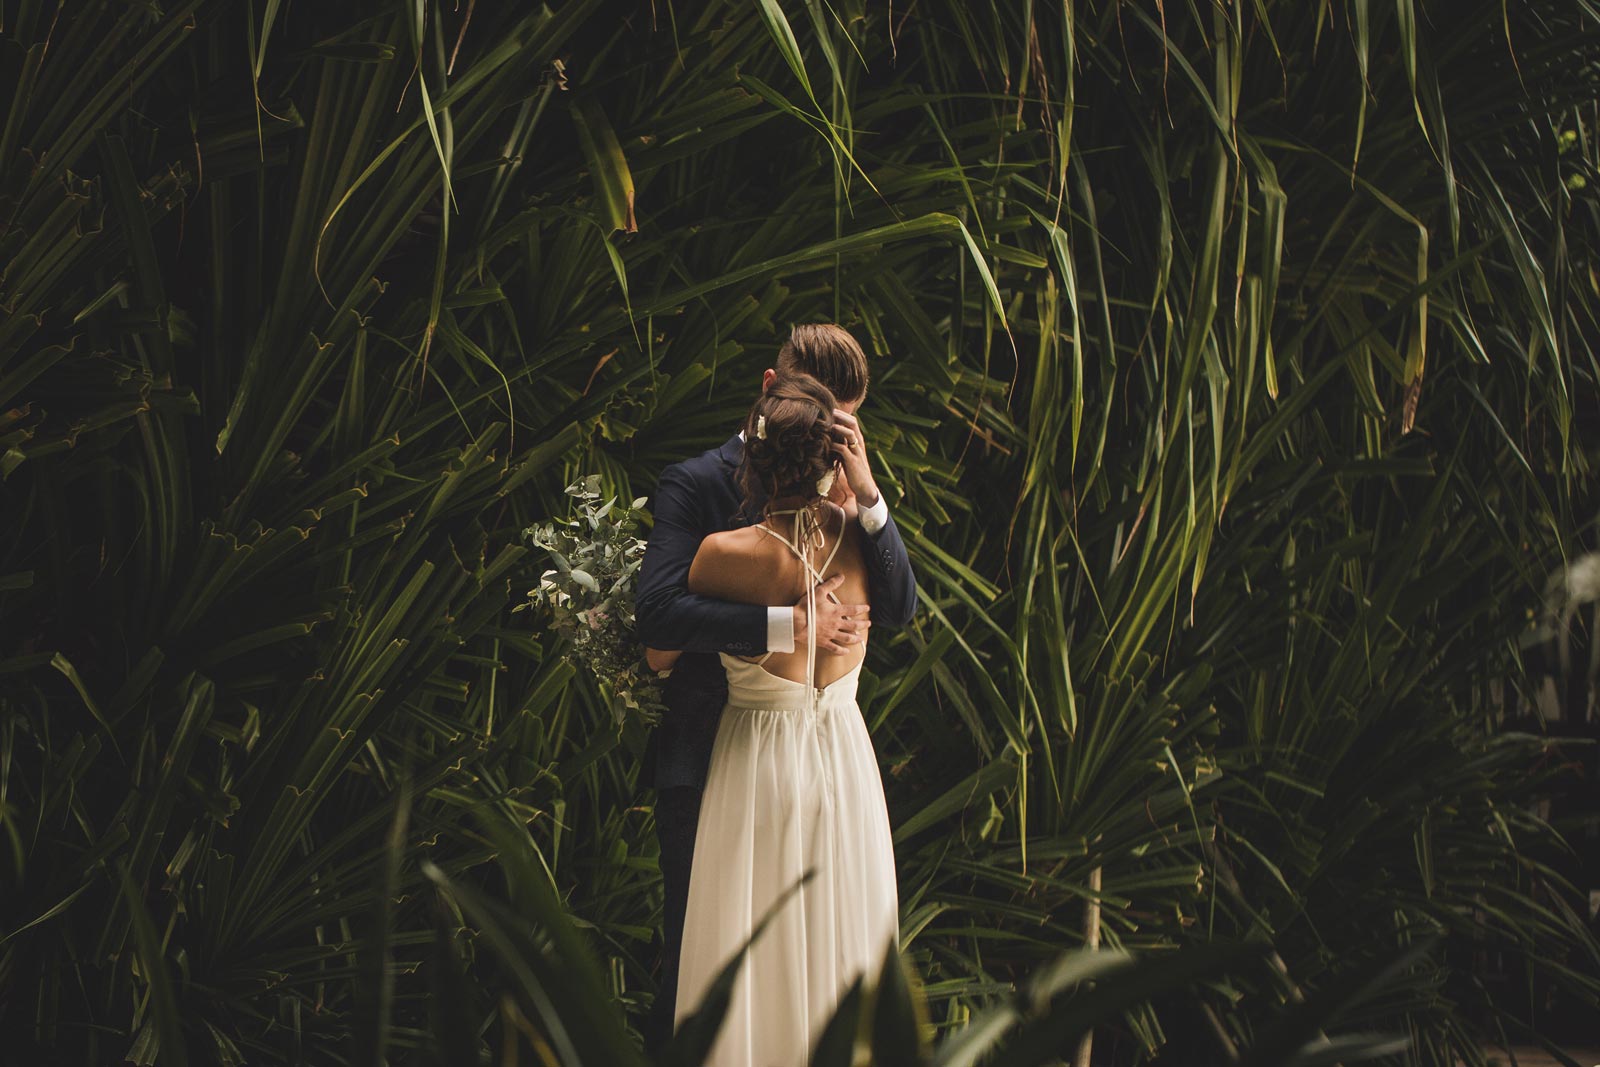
<point>840,627</point>
<point>851,448</point>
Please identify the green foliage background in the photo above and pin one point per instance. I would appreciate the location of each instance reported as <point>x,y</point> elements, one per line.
<point>1234,387</point>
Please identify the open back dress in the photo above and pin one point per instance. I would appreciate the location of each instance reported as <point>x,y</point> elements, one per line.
<point>793,786</point>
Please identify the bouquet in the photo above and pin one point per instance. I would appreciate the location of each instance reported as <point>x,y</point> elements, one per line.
<point>589,595</point>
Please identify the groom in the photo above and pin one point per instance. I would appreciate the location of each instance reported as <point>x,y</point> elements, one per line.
<point>697,497</point>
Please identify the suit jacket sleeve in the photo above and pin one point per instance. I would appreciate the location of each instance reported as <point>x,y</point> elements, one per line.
<point>890,581</point>
<point>668,616</point>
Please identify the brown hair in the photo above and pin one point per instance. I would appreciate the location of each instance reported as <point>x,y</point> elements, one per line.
<point>829,354</point>
<point>788,442</point>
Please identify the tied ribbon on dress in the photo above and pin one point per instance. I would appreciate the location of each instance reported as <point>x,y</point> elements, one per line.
<point>808,533</point>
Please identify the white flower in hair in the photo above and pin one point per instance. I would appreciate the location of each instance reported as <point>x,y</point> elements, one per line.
<point>761,427</point>
<point>825,483</point>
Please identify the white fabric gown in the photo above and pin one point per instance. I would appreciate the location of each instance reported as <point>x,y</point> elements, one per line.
<point>793,785</point>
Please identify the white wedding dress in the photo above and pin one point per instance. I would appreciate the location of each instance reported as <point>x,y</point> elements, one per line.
<point>793,785</point>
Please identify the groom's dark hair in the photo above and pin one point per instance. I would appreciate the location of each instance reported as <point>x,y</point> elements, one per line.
<point>830,355</point>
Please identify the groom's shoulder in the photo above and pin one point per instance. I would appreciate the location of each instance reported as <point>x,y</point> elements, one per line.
<point>708,464</point>
<point>710,460</point>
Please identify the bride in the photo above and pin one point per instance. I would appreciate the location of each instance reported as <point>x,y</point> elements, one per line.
<point>793,784</point>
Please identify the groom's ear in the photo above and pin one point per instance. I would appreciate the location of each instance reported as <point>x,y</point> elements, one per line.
<point>767,377</point>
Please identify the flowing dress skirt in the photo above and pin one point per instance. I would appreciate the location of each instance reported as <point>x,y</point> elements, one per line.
<point>792,786</point>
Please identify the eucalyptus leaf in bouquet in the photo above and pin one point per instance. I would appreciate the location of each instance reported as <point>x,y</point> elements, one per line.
<point>589,592</point>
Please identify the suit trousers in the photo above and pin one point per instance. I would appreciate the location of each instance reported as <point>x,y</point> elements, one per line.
<point>677,816</point>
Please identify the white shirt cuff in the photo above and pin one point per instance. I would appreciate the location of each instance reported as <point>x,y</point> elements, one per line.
<point>780,629</point>
<point>874,518</point>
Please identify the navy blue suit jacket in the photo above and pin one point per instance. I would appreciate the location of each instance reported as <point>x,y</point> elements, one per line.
<point>694,498</point>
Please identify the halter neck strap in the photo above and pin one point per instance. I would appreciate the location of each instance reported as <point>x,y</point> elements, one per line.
<point>815,532</point>
<point>807,530</point>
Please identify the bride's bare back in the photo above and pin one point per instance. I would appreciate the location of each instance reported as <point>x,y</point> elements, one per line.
<point>753,566</point>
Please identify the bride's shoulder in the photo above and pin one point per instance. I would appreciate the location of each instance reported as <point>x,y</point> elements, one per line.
<point>732,539</point>
<point>727,562</point>
<point>841,519</point>
<point>729,543</point>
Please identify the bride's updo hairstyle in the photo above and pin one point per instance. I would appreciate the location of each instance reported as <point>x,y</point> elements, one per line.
<point>787,441</point>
